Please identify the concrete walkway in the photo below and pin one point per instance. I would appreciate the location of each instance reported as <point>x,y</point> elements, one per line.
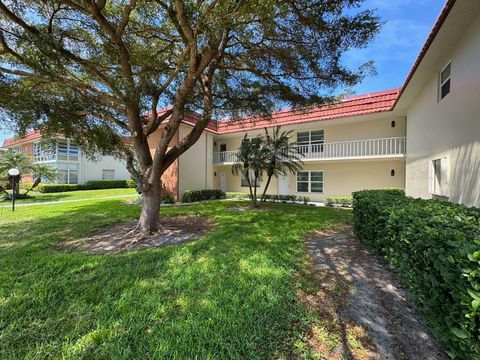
<point>69,201</point>
<point>375,299</point>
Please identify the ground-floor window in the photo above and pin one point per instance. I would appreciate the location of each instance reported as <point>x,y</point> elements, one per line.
<point>68,173</point>
<point>244,180</point>
<point>310,181</point>
<point>108,174</point>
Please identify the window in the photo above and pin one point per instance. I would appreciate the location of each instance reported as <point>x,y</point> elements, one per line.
<point>67,150</point>
<point>43,152</point>
<point>444,81</point>
<point>244,181</point>
<point>310,181</point>
<point>68,173</point>
<point>108,174</point>
<point>310,141</point>
<point>438,177</point>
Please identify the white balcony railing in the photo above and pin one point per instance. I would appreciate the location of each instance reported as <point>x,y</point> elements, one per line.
<point>352,149</point>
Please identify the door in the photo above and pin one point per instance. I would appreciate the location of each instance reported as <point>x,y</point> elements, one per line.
<point>223,149</point>
<point>223,181</point>
<point>283,185</point>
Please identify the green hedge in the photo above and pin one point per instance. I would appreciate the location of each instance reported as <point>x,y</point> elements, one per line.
<point>435,247</point>
<point>199,195</point>
<point>89,185</point>
<point>339,201</point>
<point>56,188</point>
<point>237,195</point>
<point>109,184</point>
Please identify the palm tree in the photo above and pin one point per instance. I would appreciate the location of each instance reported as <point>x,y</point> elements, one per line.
<point>281,156</point>
<point>250,160</point>
<point>14,159</point>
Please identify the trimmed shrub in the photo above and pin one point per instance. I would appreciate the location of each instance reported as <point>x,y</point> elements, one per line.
<point>200,195</point>
<point>435,247</point>
<point>237,195</point>
<point>339,201</point>
<point>109,184</point>
<point>89,185</point>
<point>168,197</point>
<point>56,188</point>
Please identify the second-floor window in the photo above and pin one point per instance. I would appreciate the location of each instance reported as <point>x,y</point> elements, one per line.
<point>67,150</point>
<point>444,81</point>
<point>43,152</point>
<point>310,141</point>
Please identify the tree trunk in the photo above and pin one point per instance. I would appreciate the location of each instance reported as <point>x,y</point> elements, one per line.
<point>255,191</point>
<point>150,213</point>
<point>266,187</point>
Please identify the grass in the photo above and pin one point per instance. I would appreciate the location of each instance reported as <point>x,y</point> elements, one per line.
<point>70,195</point>
<point>230,294</point>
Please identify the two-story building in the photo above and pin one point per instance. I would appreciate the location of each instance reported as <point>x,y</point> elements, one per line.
<point>63,155</point>
<point>424,137</point>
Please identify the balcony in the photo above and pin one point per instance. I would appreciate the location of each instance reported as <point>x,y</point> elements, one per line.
<point>393,147</point>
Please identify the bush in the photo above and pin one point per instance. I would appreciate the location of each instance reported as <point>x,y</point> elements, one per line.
<point>339,201</point>
<point>55,188</point>
<point>109,184</point>
<point>199,195</point>
<point>168,197</point>
<point>89,185</point>
<point>435,246</point>
<point>237,195</point>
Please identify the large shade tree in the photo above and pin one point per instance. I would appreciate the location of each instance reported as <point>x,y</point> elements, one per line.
<point>98,71</point>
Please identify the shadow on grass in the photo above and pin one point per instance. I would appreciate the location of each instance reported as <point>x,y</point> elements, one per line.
<point>230,294</point>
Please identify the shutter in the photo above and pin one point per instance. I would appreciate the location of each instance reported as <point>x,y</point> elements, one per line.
<point>444,176</point>
<point>431,174</point>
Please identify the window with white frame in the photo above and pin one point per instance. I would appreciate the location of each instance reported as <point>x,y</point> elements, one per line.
<point>108,174</point>
<point>444,81</point>
<point>251,175</point>
<point>68,173</point>
<point>44,152</point>
<point>67,150</point>
<point>310,181</point>
<point>438,177</point>
<point>310,141</point>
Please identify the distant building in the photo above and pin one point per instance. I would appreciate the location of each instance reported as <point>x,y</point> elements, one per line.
<point>64,155</point>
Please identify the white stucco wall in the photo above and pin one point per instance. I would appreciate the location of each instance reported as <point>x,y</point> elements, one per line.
<point>196,164</point>
<point>92,170</point>
<point>340,178</point>
<point>448,128</point>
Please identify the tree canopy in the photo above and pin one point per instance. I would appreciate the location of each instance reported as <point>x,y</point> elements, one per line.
<point>98,71</point>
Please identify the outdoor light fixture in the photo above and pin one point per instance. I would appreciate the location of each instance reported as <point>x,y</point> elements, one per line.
<point>13,172</point>
<point>14,175</point>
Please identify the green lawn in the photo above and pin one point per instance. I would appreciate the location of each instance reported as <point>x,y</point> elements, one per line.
<point>230,294</point>
<point>71,195</point>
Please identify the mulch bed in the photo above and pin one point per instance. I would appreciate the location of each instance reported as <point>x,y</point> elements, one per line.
<point>120,237</point>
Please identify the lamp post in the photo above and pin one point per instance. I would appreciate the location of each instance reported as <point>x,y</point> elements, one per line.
<point>13,176</point>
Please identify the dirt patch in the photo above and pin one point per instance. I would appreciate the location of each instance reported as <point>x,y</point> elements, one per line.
<point>361,298</point>
<point>119,237</point>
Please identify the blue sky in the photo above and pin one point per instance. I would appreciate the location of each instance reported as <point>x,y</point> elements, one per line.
<point>407,25</point>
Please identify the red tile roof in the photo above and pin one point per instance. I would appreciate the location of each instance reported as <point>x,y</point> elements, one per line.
<point>354,106</point>
<point>29,137</point>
